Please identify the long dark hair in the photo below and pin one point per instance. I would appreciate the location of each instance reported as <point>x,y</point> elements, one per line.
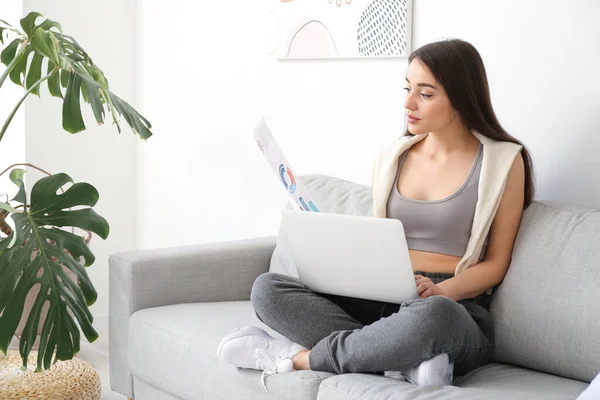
<point>458,67</point>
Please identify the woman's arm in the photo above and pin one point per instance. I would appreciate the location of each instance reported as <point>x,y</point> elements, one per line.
<point>490,272</point>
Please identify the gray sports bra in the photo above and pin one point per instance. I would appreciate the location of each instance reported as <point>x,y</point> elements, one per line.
<point>439,226</point>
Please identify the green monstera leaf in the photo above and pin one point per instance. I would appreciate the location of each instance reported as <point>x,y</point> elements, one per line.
<point>40,255</point>
<point>70,67</point>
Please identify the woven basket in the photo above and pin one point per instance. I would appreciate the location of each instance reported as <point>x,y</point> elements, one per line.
<point>65,380</point>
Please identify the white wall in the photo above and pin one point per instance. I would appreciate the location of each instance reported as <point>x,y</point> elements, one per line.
<point>203,178</point>
<point>199,74</point>
<point>205,81</point>
<point>98,155</point>
<point>12,146</point>
<point>542,61</point>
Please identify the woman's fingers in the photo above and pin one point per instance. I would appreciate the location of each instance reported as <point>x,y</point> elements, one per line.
<point>421,287</point>
<point>419,279</point>
<point>425,286</point>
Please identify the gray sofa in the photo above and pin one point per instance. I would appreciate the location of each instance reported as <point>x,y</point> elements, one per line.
<point>170,307</point>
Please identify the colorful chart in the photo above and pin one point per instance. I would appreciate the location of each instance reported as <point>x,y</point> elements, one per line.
<point>283,171</point>
<point>282,168</point>
<point>310,207</point>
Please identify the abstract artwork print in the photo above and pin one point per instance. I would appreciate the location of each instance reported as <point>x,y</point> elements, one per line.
<point>339,28</point>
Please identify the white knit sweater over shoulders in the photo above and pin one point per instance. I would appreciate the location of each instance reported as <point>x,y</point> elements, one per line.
<point>498,157</point>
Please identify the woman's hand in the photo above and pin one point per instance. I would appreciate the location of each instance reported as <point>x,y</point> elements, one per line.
<point>426,288</point>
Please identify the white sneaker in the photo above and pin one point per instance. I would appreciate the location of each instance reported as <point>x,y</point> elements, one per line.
<point>252,347</point>
<point>435,371</point>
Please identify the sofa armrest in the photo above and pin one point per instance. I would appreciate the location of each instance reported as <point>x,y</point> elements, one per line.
<point>158,277</point>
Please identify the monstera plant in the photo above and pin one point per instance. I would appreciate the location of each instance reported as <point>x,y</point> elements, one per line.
<point>39,250</point>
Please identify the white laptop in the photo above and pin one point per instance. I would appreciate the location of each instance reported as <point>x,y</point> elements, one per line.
<point>349,255</point>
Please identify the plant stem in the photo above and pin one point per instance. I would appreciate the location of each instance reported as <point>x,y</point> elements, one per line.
<point>12,114</point>
<point>14,61</point>
<point>25,165</point>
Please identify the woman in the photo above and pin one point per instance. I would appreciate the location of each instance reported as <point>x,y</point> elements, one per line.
<point>459,183</point>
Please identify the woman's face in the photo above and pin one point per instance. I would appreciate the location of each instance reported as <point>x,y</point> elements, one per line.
<point>426,101</point>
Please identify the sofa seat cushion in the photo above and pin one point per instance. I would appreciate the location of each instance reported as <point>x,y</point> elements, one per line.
<point>521,383</point>
<point>174,348</point>
<point>492,381</point>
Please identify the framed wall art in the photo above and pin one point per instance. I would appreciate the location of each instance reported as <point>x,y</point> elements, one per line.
<point>339,28</point>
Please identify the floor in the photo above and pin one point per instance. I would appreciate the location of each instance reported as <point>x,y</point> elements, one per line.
<point>97,355</point>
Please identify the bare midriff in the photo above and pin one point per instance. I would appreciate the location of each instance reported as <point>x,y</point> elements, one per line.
<point>427,261</point>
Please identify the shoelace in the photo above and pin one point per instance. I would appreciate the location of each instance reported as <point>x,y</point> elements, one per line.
<point>270,366</point>
<point>267,364</point>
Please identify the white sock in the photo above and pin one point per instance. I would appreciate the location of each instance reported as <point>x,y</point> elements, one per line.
<point>435,371</point>
<point>295,348</point>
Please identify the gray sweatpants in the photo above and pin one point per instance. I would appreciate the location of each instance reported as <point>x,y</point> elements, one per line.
<point>348,334</point>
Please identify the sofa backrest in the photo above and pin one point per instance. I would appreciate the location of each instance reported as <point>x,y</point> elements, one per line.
<point>547,310</point>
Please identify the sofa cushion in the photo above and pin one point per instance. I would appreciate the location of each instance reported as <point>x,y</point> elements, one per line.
<point>174,348</point>
<point>492,381</point>
<point>546,312</point>
<point>377,387</point>
<point>331,195</point>
<point>515,382</point>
